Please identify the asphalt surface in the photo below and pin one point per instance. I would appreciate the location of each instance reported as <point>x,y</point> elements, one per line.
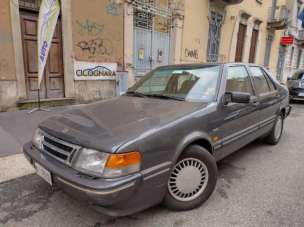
<point>260,185</point>
<point>17,128</point>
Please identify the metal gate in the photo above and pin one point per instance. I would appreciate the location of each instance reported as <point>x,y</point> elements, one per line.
<point>214,36</point>
<point>152,27</point>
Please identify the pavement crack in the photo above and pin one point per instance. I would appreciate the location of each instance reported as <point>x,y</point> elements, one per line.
<point>22,198</point>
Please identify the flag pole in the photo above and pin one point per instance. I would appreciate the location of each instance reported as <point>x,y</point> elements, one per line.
<point>48,16</point>
<point>39,108</point>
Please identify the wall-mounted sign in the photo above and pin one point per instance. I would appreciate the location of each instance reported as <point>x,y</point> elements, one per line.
<point>287,40</point>
<point>141,54</point>
<point>94,71</point>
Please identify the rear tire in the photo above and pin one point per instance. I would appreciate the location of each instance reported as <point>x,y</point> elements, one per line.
<point>276,133</point>
<point>192,179</point>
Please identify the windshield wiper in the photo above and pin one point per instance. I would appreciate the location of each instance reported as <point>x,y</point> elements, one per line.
<point>162,96</point>
<point>135,93</point>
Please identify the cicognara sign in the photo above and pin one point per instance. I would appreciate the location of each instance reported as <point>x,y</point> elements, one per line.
<point>94,71</point>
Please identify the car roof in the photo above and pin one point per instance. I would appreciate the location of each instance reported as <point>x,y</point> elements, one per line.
<point>203,65</point>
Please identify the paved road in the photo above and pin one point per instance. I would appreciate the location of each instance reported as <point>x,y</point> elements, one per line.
<point>259,185</point>
<point>17,128</point>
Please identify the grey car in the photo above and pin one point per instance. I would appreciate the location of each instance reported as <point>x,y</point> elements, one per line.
<point>295,85</point>
<point>160,142</point>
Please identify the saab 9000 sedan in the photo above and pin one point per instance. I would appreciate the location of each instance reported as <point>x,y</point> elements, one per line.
<point>161,140</point>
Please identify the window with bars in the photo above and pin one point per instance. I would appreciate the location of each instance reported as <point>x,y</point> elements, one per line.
<point>30,4</point>
<point>147,15</point>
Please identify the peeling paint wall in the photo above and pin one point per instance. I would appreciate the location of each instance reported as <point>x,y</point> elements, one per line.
<point>97,30</point>
<point>7,61</point>
<point>8,84</point>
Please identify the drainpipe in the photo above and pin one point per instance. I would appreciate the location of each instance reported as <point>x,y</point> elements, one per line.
<point>273,9</point>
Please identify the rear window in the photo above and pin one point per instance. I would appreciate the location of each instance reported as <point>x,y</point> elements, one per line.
<point>259,80</point>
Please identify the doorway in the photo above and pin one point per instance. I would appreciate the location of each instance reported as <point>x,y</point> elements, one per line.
<point>52,85</point>
<point>152,26</point>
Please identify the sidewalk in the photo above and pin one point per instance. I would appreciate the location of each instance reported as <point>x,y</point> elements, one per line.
<point>17,128</point>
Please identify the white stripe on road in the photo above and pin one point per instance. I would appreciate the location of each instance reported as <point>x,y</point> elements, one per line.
<point>14,166</point>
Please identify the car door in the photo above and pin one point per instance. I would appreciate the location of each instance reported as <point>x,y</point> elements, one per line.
<point>238,120</point>
<point>267,95</point>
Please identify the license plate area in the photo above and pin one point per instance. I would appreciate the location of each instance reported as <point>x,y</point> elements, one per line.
<point>43,173</point>
<point>301,94</point>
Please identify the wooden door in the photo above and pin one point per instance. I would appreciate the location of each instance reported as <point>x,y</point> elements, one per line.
<point>52,85</point>
<point>253,45</point>
<point>240,43</point>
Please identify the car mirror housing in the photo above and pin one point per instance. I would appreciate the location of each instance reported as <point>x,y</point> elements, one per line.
<point>237,97</point>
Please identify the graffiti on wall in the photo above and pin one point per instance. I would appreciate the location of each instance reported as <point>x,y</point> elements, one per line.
<point>112,8</point>
<point>88,27</point>
<point>98,31</point>
<point>191,53</point>
<point>96,46</point>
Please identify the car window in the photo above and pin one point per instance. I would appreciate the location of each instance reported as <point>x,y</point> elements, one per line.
<point>187,83</point>
<point>238,80</point>
<point>259,80</point>
<point>270,82</point>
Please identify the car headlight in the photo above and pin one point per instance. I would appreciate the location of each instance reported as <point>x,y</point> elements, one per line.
<point>101,164</point>
<point>91,162</point>
<point>38,138</point>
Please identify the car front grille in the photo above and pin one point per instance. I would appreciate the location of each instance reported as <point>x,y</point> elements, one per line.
<point>59,149</point>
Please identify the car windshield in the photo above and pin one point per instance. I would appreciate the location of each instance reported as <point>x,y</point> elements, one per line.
<point>189,84</point>
<point>298,76</point>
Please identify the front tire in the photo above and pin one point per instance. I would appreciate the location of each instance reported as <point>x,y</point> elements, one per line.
<point>192,179</point>
<point>276,133</point>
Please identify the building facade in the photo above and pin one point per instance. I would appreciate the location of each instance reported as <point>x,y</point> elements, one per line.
<point>137,35</point>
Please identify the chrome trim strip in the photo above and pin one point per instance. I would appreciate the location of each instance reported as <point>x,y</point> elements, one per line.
<point>156,167</point>
<point>96,192</point>
<point>156,174</point>
<point>244,132</point>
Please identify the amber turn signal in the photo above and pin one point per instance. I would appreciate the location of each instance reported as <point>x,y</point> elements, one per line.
<point>117,161</point>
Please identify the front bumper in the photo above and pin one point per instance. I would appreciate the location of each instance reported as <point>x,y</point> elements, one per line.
<point>114,197</point>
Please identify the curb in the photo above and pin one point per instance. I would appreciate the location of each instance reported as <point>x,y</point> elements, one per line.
<point>14,166</point>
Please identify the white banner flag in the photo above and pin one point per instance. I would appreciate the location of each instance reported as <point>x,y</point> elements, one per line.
<point>48,16</point>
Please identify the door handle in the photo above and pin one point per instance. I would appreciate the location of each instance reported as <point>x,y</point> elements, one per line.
<point>254,101</point>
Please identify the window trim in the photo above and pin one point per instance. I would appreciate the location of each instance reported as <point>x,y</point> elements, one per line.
<point>248,73</point>
<point>270,79</point>
<point>265,75</point>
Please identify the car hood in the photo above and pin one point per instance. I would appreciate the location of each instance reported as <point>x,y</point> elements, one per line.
<point>105,125</point>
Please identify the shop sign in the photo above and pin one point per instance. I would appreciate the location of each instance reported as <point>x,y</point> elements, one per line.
<point>94,71</point>
<point>287,40</point>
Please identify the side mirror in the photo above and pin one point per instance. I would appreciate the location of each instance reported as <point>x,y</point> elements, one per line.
<point>237,97</point>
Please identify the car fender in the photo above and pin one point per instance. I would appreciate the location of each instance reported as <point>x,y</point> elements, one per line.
<point>189,139</point>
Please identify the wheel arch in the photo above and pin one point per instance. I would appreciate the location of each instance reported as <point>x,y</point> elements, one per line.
<point>196,138</point>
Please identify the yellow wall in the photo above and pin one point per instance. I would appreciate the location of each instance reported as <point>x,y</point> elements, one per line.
<point>230,28</point>
<point>195,31</point>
